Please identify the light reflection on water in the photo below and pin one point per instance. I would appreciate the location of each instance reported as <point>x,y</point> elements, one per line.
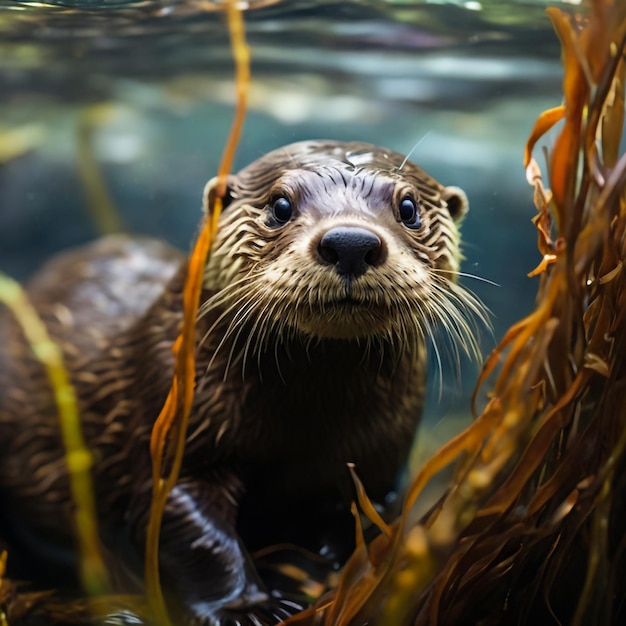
<point>158,40</point>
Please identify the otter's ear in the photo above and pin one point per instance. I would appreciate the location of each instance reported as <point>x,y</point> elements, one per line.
<point>458,204</point>
<point>210,193</point>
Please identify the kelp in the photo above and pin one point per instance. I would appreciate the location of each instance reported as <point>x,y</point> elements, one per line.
<point>533,526</point>
<point>14,605</point>
<point>170,429</point>
<point>42,608</point>
<point>78,458</point>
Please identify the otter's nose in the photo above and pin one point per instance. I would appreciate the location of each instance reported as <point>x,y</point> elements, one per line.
<point>350,249</point>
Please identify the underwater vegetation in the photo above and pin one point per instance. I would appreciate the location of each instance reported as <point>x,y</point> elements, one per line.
<point>531,528</point>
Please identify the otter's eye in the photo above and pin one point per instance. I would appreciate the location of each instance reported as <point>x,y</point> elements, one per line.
<point>282,210</point>
<point>409,214</point>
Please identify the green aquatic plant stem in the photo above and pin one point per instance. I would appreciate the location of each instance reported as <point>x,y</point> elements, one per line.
<point>99,203</point>
<point>77,456</point>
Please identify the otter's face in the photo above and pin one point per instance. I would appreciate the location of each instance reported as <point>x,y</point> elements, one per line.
<point>338,241</point>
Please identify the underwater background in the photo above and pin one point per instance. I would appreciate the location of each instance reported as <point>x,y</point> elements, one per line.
<point>113,115</point>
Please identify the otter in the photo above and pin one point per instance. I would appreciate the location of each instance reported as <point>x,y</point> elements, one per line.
<point>333,264</point>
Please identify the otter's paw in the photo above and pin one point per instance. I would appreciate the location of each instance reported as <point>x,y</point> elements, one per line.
<point>268,612</point>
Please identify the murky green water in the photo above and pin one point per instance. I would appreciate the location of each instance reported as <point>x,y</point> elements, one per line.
<point>148,85</point>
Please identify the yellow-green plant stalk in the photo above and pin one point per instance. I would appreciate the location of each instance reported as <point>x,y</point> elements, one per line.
<point>77,456</point>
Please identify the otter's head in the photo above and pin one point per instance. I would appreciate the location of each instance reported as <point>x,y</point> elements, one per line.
<point>331,240</point>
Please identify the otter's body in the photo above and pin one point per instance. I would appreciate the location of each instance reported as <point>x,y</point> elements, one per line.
<point>332,263</point>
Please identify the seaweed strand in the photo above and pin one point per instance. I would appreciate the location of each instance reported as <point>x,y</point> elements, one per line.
<point>78,458</point>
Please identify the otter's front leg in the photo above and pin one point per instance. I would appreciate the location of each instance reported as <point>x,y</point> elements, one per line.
<point>204,565</point>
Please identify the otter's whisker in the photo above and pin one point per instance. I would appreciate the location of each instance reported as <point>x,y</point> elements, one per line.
<point>224,315</point>
<point>261,321</point>
<point>417,143</point>
<point>440,270</point>
<point>277,361</point>
<point>467,300</point>
<point>226,294</point>
<point>239,321</point>
<point>240,312</point>
<point>460,331</point>
<point>248,346</point>
<point>270,328</point>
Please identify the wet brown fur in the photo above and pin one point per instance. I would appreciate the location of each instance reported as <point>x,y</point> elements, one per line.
<point>299,369</point>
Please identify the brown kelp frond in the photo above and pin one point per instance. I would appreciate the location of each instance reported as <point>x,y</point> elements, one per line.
<point>77,456</point>
<point>168,435</point>
<point>20,606</point>
<point>532,528</point>
<point>13,605</point>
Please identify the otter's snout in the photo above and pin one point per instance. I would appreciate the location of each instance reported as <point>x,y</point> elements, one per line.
<point>352,250</point>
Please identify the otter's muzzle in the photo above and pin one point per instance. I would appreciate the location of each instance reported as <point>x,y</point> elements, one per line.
<point>352,250</point>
